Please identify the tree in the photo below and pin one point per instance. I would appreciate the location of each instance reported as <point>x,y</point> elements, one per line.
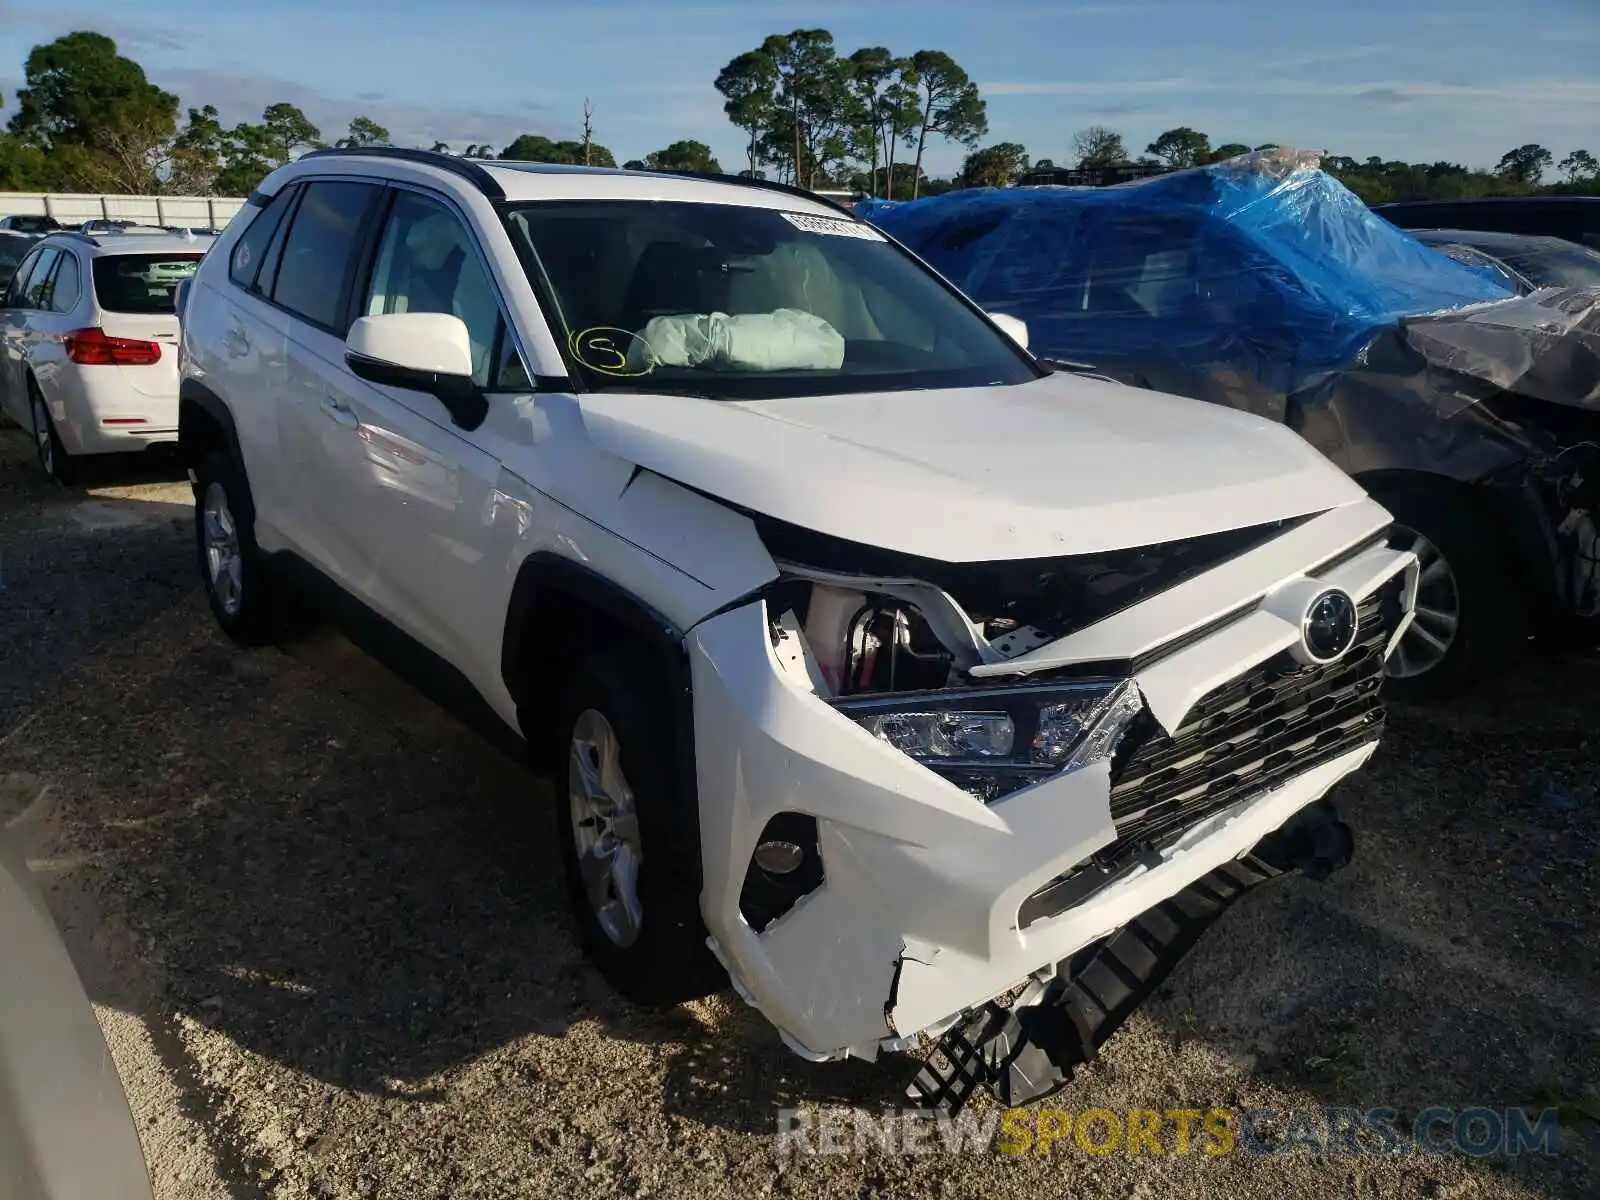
<point>871,67</point>
<point>439,147</point>
<point>813,105</point>
<point>588,133</point>
<point>288,129</point>
<point>748,85</point>
<point>1526,164</point>
<point>902,117</point>
<point>993,166</point>
<point>477,151</point>
<point>900,181</point>
<point>1229,150</point>
<point>198,154</point>
<point>951,106</point>
<point>1098,146</point>
<point>98,121</point>
<point>683,156</point>
<point>1579,165</point>
<point>534,147</point>
<point>249,153</point>
<point>888,110</point>
<point>364,131</point>
<point>1044,164</point>
<point>22,167</point>
<point>1181,147</point>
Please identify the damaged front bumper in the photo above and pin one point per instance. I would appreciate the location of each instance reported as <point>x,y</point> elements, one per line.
<point>911,901</point>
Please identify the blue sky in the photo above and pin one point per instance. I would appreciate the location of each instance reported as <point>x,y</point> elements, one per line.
<point>1463,80</point>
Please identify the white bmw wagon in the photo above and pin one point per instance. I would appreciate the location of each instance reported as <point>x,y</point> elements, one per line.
<point>90,340</point>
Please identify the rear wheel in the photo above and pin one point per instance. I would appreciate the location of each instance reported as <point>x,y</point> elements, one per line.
<point>54,461</point>
<point>1468,619</point>
<point>238,586</point>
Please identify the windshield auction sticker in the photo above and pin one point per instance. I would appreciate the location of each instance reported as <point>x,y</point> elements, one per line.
<point>833,226</point>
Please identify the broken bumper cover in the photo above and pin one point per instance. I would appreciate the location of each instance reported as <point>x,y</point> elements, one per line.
<point>919,915</point>
<point>1030,1049</point>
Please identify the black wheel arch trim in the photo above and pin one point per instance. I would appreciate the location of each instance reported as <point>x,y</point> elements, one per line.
<point>548,571</point>
<point>193,392</point>
<point>1512,519</point>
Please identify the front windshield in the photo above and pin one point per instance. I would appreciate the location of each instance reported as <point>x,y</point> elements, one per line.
<point>1558,265</point>
<point>742,303</point>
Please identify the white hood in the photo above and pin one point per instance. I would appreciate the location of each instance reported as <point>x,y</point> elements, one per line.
<point>1064,465</point>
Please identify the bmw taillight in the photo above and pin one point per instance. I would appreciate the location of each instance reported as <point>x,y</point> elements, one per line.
<point>95,348</point>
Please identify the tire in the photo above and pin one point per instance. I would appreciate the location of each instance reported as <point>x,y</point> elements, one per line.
<point>655,951</point>
<point>238,586</point>
<point>1490,620</point>
<point>54,460</point>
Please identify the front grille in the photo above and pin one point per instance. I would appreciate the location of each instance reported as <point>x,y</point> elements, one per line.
<point>1275,721</point>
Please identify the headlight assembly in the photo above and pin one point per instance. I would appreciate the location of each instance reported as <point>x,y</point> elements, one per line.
<point>993,741</point>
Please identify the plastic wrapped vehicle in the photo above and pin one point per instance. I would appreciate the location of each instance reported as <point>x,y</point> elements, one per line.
<point>1263,284</point>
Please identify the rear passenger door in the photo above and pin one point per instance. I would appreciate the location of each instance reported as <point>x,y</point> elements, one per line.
<point>309,280</point>
<point>28,305</point>
<point>237,339</point>
<point>13,319</point>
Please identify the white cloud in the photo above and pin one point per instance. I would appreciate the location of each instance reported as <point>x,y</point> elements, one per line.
<point>1105,87</point>
<point>242,97</point>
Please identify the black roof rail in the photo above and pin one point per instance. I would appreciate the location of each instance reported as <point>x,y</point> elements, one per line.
<point>464,167</point>
<point>769,185</point>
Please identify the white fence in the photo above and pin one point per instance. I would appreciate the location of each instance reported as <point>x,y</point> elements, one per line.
<point>74,209</point>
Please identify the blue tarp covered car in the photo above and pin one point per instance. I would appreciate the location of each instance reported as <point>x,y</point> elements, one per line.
<point>1264,284</point>
<point>1263,265</point>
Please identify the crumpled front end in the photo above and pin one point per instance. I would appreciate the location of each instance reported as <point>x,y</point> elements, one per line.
<point>908,806</point>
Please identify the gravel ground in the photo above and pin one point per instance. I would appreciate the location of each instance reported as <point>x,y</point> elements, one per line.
<point>322,924</point>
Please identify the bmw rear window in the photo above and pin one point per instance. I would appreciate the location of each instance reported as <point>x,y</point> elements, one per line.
<point>141,283</point>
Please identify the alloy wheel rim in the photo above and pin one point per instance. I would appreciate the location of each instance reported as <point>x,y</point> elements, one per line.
<point>605,828</point>
<point>224,568</point>
<point>1437,619</point>
<point>41,435</point>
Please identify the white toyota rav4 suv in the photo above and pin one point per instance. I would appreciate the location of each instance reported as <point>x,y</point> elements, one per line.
<point>887,669</point>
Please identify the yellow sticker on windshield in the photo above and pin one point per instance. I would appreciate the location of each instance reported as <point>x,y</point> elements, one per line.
<point>833,226</point>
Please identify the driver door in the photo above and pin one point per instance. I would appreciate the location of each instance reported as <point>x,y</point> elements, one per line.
<point>423,487</point>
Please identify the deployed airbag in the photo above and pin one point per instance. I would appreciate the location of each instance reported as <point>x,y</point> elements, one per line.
<point>786,339</point>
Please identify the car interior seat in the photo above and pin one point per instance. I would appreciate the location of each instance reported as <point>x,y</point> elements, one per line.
<point>674,277</point>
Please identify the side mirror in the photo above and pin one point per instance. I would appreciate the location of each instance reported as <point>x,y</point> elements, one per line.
<point>1013,327</point>
<point>421,352</point>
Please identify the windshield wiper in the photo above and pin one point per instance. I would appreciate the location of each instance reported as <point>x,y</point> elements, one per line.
<point>1066,365</point>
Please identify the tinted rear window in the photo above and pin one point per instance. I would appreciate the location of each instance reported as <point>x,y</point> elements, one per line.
<point>11,252</point>
<point>34,224</point>
<point>141,283</point>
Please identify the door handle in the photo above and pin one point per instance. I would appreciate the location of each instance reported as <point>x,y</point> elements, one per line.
<point>339,412</point>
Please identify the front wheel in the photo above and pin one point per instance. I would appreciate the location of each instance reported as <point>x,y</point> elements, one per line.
<point>629,836</point>
<point>1468,619</point>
